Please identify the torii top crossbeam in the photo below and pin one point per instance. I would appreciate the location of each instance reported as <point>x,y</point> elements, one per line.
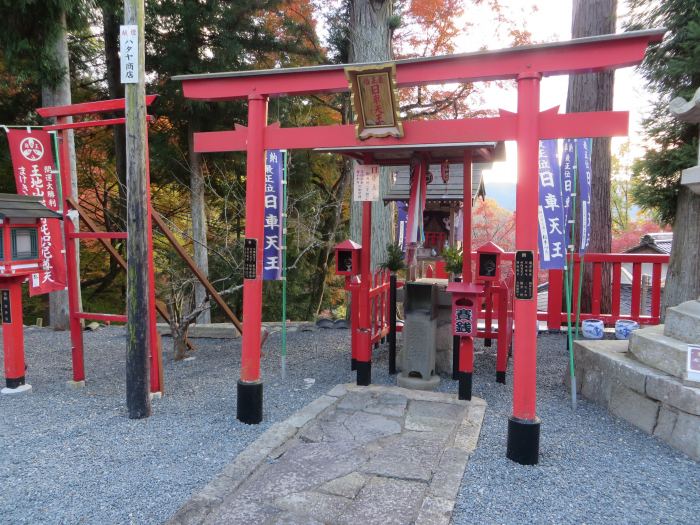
<point>527,65</point>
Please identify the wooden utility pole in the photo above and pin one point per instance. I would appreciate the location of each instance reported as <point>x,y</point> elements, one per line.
<point>138,344</point>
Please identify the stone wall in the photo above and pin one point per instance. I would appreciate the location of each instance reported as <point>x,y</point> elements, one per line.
<point>656,402</point>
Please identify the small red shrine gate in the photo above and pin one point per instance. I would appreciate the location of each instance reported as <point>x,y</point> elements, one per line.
<point>527,65</point>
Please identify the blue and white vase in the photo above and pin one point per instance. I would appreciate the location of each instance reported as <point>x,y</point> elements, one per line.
<point>592,328</point>
<point>624,327</point>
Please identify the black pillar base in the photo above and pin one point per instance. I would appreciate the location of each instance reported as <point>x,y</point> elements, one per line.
<point>465,385</point>
<point>14,382</point>
<point>523,441</point>
<point>487,342</point>
<point>501,377</point>
<point>249,407</point>
<point>353,364</point>
<point>455,357</point>
<point>364,373</point>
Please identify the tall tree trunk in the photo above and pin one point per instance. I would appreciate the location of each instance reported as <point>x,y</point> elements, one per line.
<point>594,92</point>
<point>199,223</point>
<point>116,222</point>
<point>370,41</point>
<point>60,95</point>
<point>683,275</point>
<point>110,23</point>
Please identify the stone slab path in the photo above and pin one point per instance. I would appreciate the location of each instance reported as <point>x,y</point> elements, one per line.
<point>376,454</point>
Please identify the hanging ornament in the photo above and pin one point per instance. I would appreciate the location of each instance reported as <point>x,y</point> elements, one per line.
<point>445,171</point>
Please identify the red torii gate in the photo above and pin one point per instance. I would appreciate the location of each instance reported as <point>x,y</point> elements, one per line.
<point>528,126</point>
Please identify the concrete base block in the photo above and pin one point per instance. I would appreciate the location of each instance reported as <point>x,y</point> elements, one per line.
<point>635,408</point>
<point>653,348</point>
<point>416,383</point>
<point>21,389</point>
<point>156,395</point>
<point>683,322</point>
<point>75,384</point>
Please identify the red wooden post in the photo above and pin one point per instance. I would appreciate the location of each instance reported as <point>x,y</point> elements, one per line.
<point>156,369</point>
<point>524,425</point>
<point>616,277</point>
<point>250,388</point>
<point>13,337</point>
<point>466,343</point>
<point>364,335</point>
<point>636,289</point>
<point>597,287</point>
<point>467,217</point>
<point>656,293</point>
<point>503,329</point>
<point>76,329</point>
<point>554,303</point>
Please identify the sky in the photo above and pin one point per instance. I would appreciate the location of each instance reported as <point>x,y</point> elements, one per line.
<point>550,22</point>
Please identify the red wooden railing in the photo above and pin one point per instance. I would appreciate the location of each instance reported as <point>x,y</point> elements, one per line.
<point>379,304</point>
<point>637,311</point>
<point>555,313</point>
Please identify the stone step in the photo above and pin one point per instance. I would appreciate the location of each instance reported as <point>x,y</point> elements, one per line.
<point>683,322</point>
<point>652,347</point>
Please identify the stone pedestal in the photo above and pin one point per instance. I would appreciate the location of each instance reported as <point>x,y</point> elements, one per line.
<point>646,382</point>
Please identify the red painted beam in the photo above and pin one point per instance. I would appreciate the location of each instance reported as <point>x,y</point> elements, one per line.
<point>590,124</point>
<point>101,106</point>
<point>575,56</point>
<point>91,123</point>
<point>584,125</point>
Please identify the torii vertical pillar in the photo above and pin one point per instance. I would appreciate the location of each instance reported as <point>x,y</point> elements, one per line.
<point>524,425</point>
<point>466,343</point>
<point>249,407</point>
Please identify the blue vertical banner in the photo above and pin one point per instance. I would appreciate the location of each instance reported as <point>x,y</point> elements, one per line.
<point>401,223</point>
<point>550,212</point>
<point>272,247</point>
<point>583,161</point>
<point>568,170</point>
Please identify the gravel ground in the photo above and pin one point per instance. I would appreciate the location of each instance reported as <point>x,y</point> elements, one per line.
<point>72,456</point>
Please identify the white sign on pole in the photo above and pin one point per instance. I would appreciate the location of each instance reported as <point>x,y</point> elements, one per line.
<point>694,363</point>
<point>366,182</point>
<point>129,48</point>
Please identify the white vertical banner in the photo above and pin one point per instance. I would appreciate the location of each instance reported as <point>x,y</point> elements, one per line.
<point>366,182</point>
<point>129,50</point>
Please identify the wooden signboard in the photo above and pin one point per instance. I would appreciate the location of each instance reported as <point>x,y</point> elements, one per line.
<point>374,101</point>
<point>524,274</point>
<point>250,258</point>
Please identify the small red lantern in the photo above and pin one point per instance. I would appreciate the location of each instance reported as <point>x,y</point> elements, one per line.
<point>489,262</point>
<point>20,220</point>
<point>347,258</point>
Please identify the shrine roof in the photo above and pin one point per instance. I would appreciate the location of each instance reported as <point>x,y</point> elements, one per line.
<point>452,190</point>
<point>24,207</point>
<point>399,154</point>
<point>686,110</point>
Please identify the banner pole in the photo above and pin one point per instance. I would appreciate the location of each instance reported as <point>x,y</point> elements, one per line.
<point>570,284</point>
<point>57,160</point>
<point>284,266</point>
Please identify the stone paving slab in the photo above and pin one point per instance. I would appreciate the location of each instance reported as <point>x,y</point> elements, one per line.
<point>374,454</point>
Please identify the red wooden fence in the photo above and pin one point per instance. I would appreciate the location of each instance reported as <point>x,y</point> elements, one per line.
<point>555,312</point>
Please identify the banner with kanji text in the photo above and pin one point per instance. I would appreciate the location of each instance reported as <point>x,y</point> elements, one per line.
<point>272,247</point>
<point>36,175</point>
<point>550,214</point>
